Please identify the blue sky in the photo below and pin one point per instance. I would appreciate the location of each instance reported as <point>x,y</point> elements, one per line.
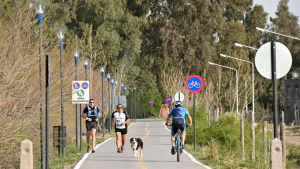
<point>270,7</point>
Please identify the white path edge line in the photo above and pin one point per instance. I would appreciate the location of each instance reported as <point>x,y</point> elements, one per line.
<point>189,155</point>
<point>80,162</point>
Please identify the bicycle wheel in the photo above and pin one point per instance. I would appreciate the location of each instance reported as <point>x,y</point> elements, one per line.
<point>178,148</point>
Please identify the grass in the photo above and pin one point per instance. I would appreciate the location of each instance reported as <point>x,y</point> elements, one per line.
<point>73,153</point>
<point>218,145</point>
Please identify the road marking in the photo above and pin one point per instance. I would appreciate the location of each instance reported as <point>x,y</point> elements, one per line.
<point>80,162</point>
<point>189,155</point>
<point>141,160</point>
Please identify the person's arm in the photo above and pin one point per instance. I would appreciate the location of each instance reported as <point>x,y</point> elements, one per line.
<point>190,120</point>
<point>127,119</point>
<point>112,119</point>
<point>168,118</point>
<point>84,113</point>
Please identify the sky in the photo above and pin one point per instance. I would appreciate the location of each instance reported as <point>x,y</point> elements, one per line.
<point>270,7</point>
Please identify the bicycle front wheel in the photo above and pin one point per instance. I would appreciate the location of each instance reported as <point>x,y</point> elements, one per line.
<point>178,148</point>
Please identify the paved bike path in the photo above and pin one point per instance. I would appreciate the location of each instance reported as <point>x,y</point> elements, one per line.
<point>156,152</point>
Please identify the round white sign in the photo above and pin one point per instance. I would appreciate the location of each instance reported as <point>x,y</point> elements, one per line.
<point>179,96</point>
<point>263,60</point>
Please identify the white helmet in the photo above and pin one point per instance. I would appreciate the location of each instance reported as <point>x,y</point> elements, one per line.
<point>177,103</point>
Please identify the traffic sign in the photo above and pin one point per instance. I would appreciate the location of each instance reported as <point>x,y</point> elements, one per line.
<point>179,96</point>
<point>169,99</point>
<point>85,85</point>
<point>194,83</point>
<point>76,85</point>
<point>263,60</point>
<point>80,93</point>
<point>151,102</point>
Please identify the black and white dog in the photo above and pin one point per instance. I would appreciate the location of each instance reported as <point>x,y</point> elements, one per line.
<point>136,144</point>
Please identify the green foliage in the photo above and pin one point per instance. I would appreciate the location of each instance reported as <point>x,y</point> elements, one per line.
<point>293,156</point>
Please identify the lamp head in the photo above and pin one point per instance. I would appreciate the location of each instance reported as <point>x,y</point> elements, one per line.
<point>86,62</point>
<point>40,8</point>
<point>238,45</point>
<point>61,33</point>
<point>76,53</point>
<point>108,75</point>
<point>102,68</point>
<point>112,80</point>
<point>260,29</point>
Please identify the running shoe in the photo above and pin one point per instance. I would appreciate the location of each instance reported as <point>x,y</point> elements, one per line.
<point>119,151</point>
<point>182,146</point>
<point>122,149</point>
<point>173,150</point>
<point>93,151</point>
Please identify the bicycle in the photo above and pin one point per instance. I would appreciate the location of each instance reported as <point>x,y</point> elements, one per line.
<point>178,143</point>
<point>192,84</point>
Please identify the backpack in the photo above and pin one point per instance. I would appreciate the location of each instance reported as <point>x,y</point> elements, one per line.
<point>90,111</point>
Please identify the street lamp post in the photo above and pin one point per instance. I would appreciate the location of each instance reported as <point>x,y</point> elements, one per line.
<point>60,35</point>
<point>237,88</point>
<point>265,30</point>
<point>125,89</point>
<point>237,103</point>
<point>131,108</point>
<point>40,14</point>
<point>252,116</point>
<point>109,110</point>
<point>111,105</point>
<point>122,89</point>
<point>135,104</point>
<point>76,56</point>
<point>103,121</point>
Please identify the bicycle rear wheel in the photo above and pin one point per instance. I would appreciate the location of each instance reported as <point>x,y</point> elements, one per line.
<point>178,148</point>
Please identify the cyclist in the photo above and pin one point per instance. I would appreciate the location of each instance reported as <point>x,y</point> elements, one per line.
<point>178,122</point>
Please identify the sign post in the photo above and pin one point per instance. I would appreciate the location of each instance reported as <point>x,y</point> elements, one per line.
<point>275,66</point>
<point>151,102</point>
<point>194,84</point>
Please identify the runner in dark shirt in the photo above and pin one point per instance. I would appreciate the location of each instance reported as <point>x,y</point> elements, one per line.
<point>91,114</point>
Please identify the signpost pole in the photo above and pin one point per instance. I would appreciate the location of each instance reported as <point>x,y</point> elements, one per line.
<point>274,78</point>
<point>194,121</point>
<point>47,109</point>
<point>194,84</point>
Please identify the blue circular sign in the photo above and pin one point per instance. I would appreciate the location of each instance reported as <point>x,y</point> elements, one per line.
<point>85,85</point>
<point>169,99</point>
<point>151,102</point>
<point>194,83</point>
<point>76,85</point>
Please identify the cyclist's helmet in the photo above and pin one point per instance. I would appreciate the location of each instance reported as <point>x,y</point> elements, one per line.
<point>178,103</point>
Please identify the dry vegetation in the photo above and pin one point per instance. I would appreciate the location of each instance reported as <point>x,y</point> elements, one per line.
<point>20,80</point>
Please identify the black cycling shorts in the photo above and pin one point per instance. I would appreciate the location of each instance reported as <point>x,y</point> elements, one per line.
<point>175,128</point>
<point>122,131</point>
<point>91,125</point>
